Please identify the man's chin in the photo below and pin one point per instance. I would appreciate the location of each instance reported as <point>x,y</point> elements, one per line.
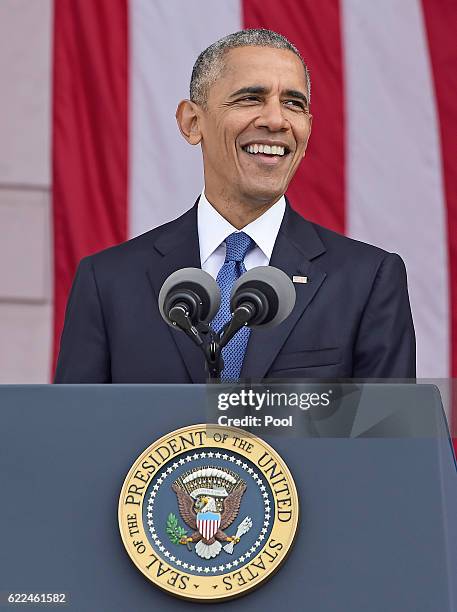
<point>262,195</point>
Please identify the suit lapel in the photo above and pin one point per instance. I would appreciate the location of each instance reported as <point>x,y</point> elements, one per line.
<point>178,248</point>
<point>297,244</point>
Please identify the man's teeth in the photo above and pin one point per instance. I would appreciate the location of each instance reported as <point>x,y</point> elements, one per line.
<point>266,149</point>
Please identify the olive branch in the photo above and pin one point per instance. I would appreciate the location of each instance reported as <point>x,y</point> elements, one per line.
<point>174,531</point>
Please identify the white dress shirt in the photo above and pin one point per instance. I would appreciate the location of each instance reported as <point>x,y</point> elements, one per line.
<point>213,229</point>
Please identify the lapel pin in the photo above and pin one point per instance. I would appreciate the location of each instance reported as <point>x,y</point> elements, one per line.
<point>300,279</point>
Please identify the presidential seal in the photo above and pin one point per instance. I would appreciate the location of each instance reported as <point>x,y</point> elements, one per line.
<point>208,512</point>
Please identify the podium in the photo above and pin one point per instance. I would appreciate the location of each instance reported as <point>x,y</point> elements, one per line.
<point>376,478</point>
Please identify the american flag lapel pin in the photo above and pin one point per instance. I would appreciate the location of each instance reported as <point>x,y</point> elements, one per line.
<point>300,279</point>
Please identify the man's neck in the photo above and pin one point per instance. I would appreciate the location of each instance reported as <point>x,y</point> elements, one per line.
<point>238,213</point>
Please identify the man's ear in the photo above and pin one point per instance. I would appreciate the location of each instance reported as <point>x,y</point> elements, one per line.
<point>188,119</point>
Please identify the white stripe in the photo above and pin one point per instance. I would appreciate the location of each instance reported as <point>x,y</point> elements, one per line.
<point>166,173</point>
<point>395,191</point>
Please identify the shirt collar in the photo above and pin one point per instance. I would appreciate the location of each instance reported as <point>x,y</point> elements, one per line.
<point>213,229</point>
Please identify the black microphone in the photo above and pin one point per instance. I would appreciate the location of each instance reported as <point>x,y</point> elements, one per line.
<point>188,298</point>
<point>262,297</point>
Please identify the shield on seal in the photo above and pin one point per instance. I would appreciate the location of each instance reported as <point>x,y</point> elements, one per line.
<point>208,523</point>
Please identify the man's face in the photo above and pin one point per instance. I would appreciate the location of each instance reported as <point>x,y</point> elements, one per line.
<point>260,99</point>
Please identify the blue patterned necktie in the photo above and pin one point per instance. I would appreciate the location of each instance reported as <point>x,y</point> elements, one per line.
<point>237,245</point>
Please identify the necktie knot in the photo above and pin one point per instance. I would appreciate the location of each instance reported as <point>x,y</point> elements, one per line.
<point>237,245</point>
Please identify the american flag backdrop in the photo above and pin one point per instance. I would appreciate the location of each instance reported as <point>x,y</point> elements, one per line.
<point>381,163</point>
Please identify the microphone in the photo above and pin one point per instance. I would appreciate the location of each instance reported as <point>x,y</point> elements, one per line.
<point>262,297</point>
<point>188,297</point>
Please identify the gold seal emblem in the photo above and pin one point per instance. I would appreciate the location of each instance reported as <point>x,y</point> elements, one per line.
<point>208,512</point>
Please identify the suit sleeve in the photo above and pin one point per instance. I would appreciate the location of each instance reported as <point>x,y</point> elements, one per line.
<point>386,346</point>
<point>84,351</point>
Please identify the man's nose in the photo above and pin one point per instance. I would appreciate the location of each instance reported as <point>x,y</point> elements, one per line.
<point>272,116</point>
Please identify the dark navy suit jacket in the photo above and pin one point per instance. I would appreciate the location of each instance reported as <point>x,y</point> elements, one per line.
<point>352,319</point>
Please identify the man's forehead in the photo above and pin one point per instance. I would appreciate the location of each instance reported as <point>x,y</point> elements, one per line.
<point>244,66</point>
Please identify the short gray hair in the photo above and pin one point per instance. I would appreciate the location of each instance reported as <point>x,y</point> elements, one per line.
<point>210,62</point>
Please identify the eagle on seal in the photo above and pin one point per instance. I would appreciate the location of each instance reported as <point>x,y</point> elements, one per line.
<point>207,523</point>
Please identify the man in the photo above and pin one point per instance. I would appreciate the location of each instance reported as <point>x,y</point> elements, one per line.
<point>249,111</point>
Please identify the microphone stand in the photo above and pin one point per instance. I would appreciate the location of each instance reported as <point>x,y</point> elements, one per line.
<point>214,342</point>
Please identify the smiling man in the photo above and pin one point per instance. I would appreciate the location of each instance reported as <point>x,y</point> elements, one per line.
<point>249,110</point>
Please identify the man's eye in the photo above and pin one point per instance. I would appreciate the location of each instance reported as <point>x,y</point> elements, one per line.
<point>294,103</point>
<point>249,99</point>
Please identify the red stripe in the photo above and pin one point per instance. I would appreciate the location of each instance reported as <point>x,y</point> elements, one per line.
<point>441,27</point>
<point>318,189</point>
<point>90,136</point>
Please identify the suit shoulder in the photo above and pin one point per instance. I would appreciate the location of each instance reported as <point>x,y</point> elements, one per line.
<point>135,248</point>
<point>339,244</point>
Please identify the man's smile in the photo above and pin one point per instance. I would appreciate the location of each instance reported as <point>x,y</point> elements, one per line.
<point>269,153</point>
